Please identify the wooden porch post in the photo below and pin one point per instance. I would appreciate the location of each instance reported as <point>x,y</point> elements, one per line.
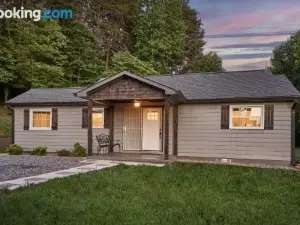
<point>175,128</point>
<point>90,127</point>
<point>166,129</point>
<point>111,128</point>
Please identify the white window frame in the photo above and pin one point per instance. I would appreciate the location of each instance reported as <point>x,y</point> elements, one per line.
<point>99,110</point>
<point>31,118</point>
<point>247,106</point>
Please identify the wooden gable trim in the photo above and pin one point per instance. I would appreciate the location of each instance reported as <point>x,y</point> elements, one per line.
<point>126,88</point>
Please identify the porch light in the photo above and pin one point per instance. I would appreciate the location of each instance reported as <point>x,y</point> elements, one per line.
<point>137,104</point>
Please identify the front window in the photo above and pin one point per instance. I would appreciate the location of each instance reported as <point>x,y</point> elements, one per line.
<point>40,119</point>
<point>246,117</point>
<point>98,118</point>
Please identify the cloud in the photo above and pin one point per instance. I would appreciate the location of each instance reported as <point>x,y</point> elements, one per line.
<point>233,35</point>
<point>246,56</point>
<point>250,45</point>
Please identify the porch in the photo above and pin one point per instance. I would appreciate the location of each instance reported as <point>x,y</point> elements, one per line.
<point>139,113</point>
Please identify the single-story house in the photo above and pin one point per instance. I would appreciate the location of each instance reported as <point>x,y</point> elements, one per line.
<point>243,116</point>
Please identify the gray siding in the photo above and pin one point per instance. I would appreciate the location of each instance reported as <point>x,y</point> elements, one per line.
<point>69,131</point>
<point>200,135</point>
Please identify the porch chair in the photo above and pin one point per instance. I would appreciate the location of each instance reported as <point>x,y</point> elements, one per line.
<point>104,144</point>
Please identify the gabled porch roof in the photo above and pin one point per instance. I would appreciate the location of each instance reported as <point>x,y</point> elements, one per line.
<point>102,83</point>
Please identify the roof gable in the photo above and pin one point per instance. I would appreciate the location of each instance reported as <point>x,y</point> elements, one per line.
<point>84,92</point>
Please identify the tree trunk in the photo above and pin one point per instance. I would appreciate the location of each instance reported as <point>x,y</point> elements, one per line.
<point>107,59</point>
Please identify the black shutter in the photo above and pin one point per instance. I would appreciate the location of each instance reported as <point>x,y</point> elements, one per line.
<point>26,119</point>
<point>84,118</point>
<point>269,117</point>
<point>54,119</point>
<point>107,116</point>
<point>224,116</point>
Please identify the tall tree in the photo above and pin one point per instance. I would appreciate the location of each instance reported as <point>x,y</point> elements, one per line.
<point>194,42</point>
<point>160,33</point>
<point>125,61</point>
<point>108,21</point>
<point>209,62</point>
<point>85,59</point>
<point>286,59</point>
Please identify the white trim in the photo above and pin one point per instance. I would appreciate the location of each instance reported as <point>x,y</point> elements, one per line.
<point>247,106</point>
<point>99,110</point>
<point>39,110</point>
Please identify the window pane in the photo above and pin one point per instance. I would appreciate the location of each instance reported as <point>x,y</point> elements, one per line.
<point>152,115</point>
<point>97,119</point>
<point>247,117</point>
<point>41,119</point>
<point>246,122</point>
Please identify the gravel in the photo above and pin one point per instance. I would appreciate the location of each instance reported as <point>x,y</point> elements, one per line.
<point>13,167</point>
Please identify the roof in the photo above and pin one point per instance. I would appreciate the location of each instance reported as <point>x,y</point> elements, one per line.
<point>82,93</point>
<point>48,96</point>
<point>258,84</point>
<point>201,87</point>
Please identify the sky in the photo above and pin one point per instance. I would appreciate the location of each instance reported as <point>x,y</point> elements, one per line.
<point>244,32</point>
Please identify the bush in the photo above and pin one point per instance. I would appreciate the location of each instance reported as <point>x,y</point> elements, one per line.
<point>79,150</point>
<point>39,151</point>
<point>14,149</point>
<point>63,152</point>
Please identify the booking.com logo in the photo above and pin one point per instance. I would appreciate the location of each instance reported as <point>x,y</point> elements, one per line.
<point>37,14</point>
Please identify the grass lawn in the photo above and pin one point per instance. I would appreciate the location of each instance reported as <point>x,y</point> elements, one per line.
<point>2,150</point>
<point>5,122</point>
<point>182,194</point>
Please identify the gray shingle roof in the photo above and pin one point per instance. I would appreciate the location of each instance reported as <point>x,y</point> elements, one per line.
<point>48,95</point>
<point>258,84</point>
<point>227,85</point>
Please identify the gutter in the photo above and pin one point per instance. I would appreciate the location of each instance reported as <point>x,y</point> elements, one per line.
<point>293,134</point>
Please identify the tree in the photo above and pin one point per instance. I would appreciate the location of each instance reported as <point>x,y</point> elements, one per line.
<point>159,30</point>
<point>125,61</point>
<point>108,21</point>
<point>209,62</point>
<point>85,59</point>
<point>193,51</point>
<point>286,59</point>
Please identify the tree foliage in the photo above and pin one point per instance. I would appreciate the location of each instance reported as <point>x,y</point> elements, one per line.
<point>103,38</point>
<point>286,59</point>
<point>125,61</point>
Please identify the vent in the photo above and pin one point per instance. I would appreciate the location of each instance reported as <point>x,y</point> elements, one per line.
<point>224,160</point>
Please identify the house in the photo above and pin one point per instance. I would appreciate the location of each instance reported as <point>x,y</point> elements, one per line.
<point>242,116</point>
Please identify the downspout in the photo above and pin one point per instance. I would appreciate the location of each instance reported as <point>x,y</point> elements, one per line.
<point>293,133</point>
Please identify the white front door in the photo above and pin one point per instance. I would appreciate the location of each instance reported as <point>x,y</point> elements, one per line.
<point>152,132</point>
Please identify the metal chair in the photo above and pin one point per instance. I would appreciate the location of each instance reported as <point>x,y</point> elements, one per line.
<point>104,144</point>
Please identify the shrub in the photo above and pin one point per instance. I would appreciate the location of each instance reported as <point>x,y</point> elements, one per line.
<point>63,152</point>
<point>14,149</point>
<point>39,151</point>
<point>79,150</point>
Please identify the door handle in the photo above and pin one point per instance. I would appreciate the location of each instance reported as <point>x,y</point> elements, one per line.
<point>160,133</point>
<point>124,128</point>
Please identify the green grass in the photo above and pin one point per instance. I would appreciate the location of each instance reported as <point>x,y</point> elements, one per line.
<point>5,122</point>
<point>182,194</point>
<point>2,150</point>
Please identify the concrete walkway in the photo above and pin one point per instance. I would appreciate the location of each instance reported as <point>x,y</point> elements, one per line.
<point>95,165</point>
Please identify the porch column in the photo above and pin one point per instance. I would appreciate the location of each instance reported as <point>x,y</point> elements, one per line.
<point>90,127</point>
<point>111,128</point>
<point>175,129</point>
<point>166,129</point>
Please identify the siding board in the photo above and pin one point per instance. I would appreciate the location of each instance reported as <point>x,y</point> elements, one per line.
<point>200,135</point>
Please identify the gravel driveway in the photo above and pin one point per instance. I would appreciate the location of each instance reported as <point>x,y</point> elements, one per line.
<point>13,167</point>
